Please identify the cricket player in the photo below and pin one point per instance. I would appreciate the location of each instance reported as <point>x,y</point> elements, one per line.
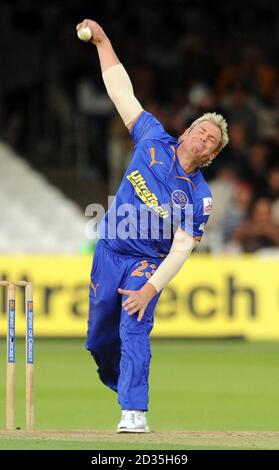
<point>131,267</point>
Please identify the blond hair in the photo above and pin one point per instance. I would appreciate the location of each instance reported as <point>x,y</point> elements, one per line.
<point>220,122</point>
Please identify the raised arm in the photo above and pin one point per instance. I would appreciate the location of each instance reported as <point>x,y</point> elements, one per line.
<point>116,79</point>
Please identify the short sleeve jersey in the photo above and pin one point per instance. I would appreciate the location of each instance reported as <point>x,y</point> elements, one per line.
<point>155,196</point>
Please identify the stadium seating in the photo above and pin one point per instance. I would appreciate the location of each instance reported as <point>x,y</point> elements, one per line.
<point>36,217</point>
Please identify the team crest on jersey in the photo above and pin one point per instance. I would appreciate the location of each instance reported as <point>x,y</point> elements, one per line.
<point>179,198</point>
<point>207,205</point>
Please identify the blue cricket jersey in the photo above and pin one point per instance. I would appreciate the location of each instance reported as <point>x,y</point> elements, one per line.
<point>156,195</point>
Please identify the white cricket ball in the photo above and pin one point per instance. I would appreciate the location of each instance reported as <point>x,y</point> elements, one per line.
<point>85,34</point>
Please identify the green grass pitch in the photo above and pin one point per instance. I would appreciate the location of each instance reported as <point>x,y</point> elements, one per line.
<point>198,388</point>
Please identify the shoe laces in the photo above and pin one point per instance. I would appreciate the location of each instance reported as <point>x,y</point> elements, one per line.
<point>133,415</point>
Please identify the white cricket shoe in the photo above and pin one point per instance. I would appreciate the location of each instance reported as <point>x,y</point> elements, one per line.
<point>133,421</point>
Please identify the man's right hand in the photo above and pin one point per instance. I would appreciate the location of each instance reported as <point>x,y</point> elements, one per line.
<point>98,33</point>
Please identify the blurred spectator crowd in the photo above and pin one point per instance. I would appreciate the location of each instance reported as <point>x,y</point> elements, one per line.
<point>183,60</point>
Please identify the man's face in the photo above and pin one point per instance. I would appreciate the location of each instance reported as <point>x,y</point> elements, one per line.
<point>202,141</point>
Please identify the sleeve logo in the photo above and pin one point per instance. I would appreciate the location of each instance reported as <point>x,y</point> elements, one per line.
<point>207,205</point>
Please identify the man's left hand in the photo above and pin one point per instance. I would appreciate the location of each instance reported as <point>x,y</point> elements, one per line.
<point>136,302</point>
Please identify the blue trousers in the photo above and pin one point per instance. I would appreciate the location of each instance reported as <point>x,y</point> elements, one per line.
<point>118,342</point>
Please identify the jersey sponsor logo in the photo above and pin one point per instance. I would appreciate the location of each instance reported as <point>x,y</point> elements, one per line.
<point>144,193</point>
<point>202,226</point>
<point>207,205</point>
<point>179,198</point>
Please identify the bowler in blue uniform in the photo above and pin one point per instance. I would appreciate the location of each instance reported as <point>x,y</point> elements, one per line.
<point>158,215</point>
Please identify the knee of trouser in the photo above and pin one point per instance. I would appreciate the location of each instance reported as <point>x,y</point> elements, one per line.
<point>94,347</point>
<point>100,346</point>
<point>135,344</point>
